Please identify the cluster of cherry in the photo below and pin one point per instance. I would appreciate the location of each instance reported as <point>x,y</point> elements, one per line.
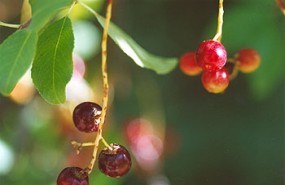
<point>113,161</point>
<point>217,70</point>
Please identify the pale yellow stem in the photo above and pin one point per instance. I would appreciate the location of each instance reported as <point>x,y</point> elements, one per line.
<point>9,25</point>
<point>105,81</point>
<point>218,36</point>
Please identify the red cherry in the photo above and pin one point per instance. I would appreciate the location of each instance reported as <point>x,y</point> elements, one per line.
<point>248,60</point>
<point>72,176</point>
<point>114,162</point>
<point>215,81</point>
<point>87,116</point>
<point>188,64</point>
<point>211,55</point>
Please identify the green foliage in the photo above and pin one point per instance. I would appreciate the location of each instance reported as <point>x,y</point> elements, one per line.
<point>52,67</point>
<point>16,58</point>
<point>140,56</point>
<point>16,53</point>
<point>44,10</point>
<point>231,138</point>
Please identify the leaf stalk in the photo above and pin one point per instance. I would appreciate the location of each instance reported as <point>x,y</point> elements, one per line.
<point>16,26</point>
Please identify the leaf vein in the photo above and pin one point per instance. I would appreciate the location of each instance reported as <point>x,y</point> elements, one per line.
<point>54,59</point>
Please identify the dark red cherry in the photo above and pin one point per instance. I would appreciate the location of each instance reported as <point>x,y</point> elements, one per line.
<point>87,116</point>
<point>211,55</point>
<point>114,162</point>
<point>72,176</point>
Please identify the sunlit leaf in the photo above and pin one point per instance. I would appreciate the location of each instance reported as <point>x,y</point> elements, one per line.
<point>44,10</point>
<point>16,55</point>
<point>52,67</point>
<point>140,56</point>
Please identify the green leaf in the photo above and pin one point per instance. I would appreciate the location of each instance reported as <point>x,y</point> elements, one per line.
<point>16,55</point>
<point>44,10</point>
<point>52,67</point>
<point>140,56</point>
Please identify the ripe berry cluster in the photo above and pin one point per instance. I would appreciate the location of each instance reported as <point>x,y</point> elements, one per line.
<point>217,70</point>
<point>113,161</point>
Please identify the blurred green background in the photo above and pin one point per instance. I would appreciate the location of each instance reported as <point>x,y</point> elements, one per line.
<point>235,138</point>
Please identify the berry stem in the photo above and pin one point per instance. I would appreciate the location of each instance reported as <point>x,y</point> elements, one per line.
<point>71,7</point>
<point>106,143</point>
<point>231,60</point>
<point>105,80</point>
<point>234,73</point>
<point>87,7</point>
<point>9,25</point>
<point>78,146</point>
<point>281,5</point>
<point>218,36</point>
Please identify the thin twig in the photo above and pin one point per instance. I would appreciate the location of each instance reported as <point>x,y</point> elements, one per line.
<point>218,36</point>
<point>105,80</point>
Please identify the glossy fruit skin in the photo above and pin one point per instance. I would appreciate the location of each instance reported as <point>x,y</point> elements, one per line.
<point>248,60</point>
<point>116,162</point>
<point>72,176</point>
<point>215,81</point>
<point>188,64</point>
<point>211,55</point>
<point>87,116</point>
